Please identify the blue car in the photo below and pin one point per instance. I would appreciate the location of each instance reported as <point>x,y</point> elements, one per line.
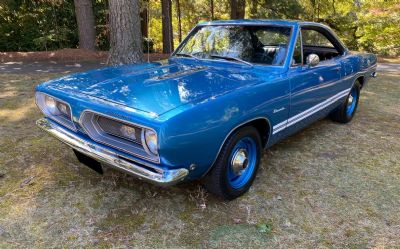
<point>230,90</point>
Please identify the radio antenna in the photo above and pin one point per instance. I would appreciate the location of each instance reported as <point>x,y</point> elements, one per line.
<point>148,31</point>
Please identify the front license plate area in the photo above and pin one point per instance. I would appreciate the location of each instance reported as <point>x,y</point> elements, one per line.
<point>89,162</point>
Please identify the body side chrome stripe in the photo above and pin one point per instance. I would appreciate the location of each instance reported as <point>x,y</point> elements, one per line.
<point>317,107</point>
<point>298,117</point>
<point>316,110</point>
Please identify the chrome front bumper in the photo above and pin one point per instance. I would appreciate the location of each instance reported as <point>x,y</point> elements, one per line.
<point>103,154</point>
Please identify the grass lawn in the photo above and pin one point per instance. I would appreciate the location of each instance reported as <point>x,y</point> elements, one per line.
<point>330,185</point>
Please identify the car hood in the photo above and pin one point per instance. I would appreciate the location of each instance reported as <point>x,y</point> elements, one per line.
<point>161,86</point>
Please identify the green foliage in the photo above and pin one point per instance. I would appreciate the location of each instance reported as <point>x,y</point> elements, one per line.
<point>148,45</point>
<point>370,25</point>
<point>264,227</point>
<point>101,19</point>
<point>379,29</point>
<point>37,25</point>
<point>279,9</point>
<point>34,25</point>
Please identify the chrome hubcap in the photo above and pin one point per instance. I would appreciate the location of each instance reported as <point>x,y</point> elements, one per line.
<point>240,161</point>
<point>350,100</point>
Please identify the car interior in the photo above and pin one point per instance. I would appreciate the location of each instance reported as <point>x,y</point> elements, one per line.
<point>262,45</point>
<point>324,53</point>
<point>271,54</point>
<point>320,42</point>
<point>270,46</point>
<point>268,50</point>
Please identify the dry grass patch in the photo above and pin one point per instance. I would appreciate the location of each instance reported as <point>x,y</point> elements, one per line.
<point>330,185</point>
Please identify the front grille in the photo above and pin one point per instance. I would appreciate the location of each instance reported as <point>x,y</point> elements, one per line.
<point>116,133</point>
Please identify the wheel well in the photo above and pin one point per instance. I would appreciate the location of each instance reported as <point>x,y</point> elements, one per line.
<point>263,127</point>
<point>361,80</point>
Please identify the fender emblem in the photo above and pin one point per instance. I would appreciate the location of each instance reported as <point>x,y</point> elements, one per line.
<point>278,110</point>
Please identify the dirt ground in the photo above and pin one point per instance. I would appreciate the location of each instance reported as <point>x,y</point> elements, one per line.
<point>65,55</point>
<point>328,186</point>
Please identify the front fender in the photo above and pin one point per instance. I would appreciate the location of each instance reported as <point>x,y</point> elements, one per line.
<point>196,135</point>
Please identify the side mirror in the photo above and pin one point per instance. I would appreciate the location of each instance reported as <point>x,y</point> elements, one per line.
<point>312,60</point>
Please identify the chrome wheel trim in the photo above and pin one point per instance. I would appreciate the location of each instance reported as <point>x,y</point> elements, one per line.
<point>351,98</point>
<point>352,102</point>
<point>240,161</point>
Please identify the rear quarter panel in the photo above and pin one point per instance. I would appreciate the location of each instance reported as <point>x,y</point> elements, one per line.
<point>358,65</point>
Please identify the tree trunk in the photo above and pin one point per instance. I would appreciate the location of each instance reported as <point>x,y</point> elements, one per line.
<point>168,43</point>
<point>85,20</point>
<point>212,9</point>
<point>125,34</point>
<point>144,16</point>
<point>178,7</point>
<point>237,9</point>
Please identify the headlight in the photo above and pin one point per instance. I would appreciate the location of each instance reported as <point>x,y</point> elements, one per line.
<point>128,132</point>
<point>55,109</point>
<point>150,141</point>
<point>51,104</point>
<point>64,109</point>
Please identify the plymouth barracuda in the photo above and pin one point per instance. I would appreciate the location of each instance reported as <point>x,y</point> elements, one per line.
<point>229,90</point>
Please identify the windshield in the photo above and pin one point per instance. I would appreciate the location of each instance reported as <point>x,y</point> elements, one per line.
<point>266,45</point>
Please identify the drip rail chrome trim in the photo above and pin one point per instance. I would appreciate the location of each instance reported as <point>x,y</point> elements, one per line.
<point>101,153</point>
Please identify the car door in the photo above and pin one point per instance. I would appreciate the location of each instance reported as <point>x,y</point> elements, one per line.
<point>312,87</point>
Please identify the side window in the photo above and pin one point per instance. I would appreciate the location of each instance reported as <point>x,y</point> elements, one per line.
<point>297,58</point>
<point>270,45</point>
<point>316,42</point>
<point>272,37</point>
<point>315,38</point>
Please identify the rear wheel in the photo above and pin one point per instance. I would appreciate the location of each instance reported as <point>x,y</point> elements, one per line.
<point>345,112</point>
<point>236,166</point>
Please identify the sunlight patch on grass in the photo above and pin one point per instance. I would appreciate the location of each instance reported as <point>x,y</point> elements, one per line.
<point>16,114</point>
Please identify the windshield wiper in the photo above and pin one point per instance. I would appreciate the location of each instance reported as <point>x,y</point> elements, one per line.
<point>230,59</point>
<point>186,55</point>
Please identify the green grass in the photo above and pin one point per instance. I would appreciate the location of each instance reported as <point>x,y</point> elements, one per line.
<point>328,186</point>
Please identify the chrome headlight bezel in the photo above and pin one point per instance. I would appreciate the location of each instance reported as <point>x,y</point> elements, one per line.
<point>63,117</point>
<point>89,122</point>
<point>150,141</point>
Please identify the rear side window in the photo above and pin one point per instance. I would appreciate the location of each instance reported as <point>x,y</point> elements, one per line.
<point>315,38</point>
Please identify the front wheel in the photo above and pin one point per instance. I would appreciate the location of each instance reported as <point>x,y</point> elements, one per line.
<point>345,112</point>
<point>236,166</point>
